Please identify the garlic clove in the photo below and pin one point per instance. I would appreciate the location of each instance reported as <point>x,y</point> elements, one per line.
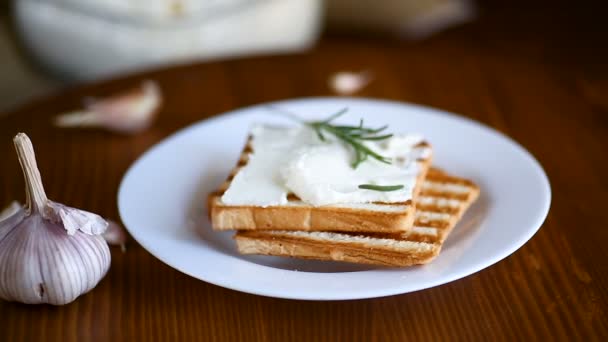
<point>346,82</point>
<point>74,219</point>
<point>20,278</point>
<point>8,221</point>
<point>130,112</point>
<point>116,235</point>
<point>80,262</point>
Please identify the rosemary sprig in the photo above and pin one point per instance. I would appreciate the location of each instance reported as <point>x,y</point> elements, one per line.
<point>354,136</point>
<point>381,187</point>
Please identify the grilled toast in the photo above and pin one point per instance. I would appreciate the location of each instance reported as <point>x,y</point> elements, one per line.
<point>442,201</point>
<point>298,215</point>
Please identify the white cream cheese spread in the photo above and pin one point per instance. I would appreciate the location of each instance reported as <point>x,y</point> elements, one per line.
<point>295,161</point>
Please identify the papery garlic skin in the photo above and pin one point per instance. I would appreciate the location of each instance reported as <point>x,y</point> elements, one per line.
<point>115,234</point>
<point>49,252</point>
<point>130,112</point>
<point>75,219</point>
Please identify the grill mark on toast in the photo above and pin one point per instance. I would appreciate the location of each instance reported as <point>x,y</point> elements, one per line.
<point>449,195</point>
<point>438,201</point>
<point>429,216</point>
<point>434,177</point>
<point>437,209</point>
<point>432,224</point>
<point>448,187</point>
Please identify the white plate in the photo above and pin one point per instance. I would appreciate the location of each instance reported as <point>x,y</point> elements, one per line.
<point>162,199</point>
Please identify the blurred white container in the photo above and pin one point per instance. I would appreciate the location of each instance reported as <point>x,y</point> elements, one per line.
<point>87,39</point>
<point>415,19</point>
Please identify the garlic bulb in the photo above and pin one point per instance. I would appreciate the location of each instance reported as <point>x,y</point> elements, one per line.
<point>49,252</point>
<point>347,83</point>
<point>130,112</point>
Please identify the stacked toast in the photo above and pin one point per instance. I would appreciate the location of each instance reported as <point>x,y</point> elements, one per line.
<point>379,233</point>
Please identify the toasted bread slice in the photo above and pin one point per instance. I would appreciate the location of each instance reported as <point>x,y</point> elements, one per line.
<point>442,202</point>
<point>298,215</point>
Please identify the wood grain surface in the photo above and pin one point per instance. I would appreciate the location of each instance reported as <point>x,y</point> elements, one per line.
<point>528,75</point>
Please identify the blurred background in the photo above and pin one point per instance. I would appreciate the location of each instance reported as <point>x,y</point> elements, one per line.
<point>46,45</point>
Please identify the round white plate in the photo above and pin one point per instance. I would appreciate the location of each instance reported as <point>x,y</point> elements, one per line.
<point>162,202</point>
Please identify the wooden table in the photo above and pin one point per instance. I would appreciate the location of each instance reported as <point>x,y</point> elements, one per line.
<point>548,89</point>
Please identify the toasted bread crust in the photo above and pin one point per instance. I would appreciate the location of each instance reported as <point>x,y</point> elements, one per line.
<point>301,216</point>
<point>310,218</point>
<point>248,243</point>
<point>427,236</point>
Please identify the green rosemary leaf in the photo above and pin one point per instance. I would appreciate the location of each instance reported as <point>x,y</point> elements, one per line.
<point>377,130</point>
<point>319,133</point>
<point>335,116</point>
<point>358,159</point>
<point>347,128</point>
<point>380,187</point>
<point>357,146</point>
<point>359,130</point>
<point>379,137</point>
<point>354,136</point>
